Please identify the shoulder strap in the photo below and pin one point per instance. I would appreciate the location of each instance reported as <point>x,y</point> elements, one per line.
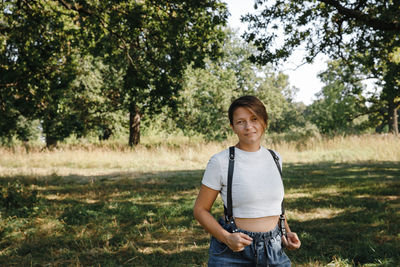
<point>276,159</point>
<point>278,165</point>
<point>282,216</point>
<point>229,212</point>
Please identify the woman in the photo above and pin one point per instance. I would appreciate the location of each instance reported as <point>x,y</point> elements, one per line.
<point>251,237</point>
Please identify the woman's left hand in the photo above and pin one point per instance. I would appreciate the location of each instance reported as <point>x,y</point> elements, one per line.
<point>292,241</point>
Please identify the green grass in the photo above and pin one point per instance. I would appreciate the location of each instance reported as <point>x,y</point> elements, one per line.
<point>345,215</point>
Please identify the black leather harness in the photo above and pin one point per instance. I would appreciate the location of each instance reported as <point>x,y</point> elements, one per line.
<point>228,210</point>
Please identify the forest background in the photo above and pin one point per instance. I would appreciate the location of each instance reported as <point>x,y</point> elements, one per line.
<point>110,109</point>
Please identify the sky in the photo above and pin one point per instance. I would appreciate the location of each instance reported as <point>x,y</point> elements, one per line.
<point>303,77</point>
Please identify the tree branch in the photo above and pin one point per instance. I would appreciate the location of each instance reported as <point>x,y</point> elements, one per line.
<point>75,7</point>
<point>372,22</point>
<point>6,85</point>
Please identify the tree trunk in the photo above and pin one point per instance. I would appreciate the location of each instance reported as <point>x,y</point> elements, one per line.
<point>51,141</point>
<point>134,125</point>
<point>395,121</point>
<point>49,132</point>
<point>393,118</point>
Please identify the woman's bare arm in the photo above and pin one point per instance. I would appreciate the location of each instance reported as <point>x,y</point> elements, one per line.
<point>201,212</point>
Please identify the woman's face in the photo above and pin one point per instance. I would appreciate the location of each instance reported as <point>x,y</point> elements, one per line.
<point>247,126</point>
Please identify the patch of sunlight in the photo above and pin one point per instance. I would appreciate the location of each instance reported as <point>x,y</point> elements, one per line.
<point>166,246</point>
<point>192,192</point>
<point>146,250</point>
<point>297,195</point>
<point>165,241</point>
<point>382,198</point>
<point>358,169</point>
<point>319,213</point>
<point>48,227</point>
<point>339,262</point>
<point>85,232</point>
<point>91,201</point>
<point>56,197</point>
<point>176,197</point>
<point>154,203</point>
<point>330,190</point>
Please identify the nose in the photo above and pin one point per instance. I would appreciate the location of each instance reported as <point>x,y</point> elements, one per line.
<point>248,124</point>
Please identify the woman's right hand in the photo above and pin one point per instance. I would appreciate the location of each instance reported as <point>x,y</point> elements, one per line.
<point>238,241</point>
<point>235,241</point>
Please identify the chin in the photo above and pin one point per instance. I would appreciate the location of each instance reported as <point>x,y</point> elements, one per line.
<point>252,141</point>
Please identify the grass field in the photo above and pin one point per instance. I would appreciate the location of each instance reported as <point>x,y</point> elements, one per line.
<point>102,206</point>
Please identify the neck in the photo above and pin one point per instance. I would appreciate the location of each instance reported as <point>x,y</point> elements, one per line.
<point>248,147</point>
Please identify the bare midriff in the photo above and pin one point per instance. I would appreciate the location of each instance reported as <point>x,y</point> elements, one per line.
<point>262,224</point>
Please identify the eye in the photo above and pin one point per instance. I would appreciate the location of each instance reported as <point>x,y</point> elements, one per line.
<point>254,118</point>
<point>239,122</point>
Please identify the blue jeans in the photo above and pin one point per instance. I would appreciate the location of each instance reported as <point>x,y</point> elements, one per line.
<point>266,250</point>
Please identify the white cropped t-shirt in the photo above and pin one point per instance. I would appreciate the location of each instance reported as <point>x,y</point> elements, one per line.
<point>257,188</point>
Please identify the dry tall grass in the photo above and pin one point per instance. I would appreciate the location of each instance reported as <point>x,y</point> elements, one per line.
<point>184,154</point>
<point>339,149</point>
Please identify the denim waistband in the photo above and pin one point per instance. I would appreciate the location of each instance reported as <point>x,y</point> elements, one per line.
<point>262,236</point>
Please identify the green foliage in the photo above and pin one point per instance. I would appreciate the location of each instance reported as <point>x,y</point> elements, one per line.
<point>271,92</point>
<point>83,70</point>
<point>205,101</point>
<point>207,93</point>
<point>156,41</point>
<point>18,199</point>
<point>344,28</point>
<point>38,64</point>
<point>358,32</point>
<point>293,118</point>
<point>93,107</point>
<point>76,67</point>
<point>341,106</point>
<point>299,136</point>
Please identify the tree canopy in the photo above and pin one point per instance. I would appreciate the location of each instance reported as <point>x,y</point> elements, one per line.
<point>362,32</point>
<point>95,67</point>
<point>341,106</point>
<point>45,47</point>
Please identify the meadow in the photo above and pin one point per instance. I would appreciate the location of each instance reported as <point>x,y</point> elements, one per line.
<point>109,205</point>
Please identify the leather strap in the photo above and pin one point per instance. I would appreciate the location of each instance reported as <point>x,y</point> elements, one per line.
<point>228,210</point>
<point>278,165</point>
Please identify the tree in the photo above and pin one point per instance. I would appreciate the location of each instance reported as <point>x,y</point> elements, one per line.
<point>358,32</point>
<point>341,107</point>
<point>271,87</point>
<point>208,92</point>
<point>38,64</point>
<point>205,99</point>
<point>153,41</point>
<point>150,43</point>
<point>93,103</point>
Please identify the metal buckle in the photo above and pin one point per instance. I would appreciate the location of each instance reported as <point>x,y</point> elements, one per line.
<point>282,224</point>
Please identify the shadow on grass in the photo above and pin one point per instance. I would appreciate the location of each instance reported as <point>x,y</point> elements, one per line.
<point>347,212</point>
